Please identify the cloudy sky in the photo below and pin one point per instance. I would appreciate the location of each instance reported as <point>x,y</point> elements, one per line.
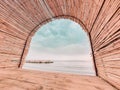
<point>60,39</point>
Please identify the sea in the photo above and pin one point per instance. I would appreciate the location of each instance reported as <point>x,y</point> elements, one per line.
<point>81,67</point>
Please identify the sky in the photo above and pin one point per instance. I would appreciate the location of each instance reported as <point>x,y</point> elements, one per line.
<point>60,39</point>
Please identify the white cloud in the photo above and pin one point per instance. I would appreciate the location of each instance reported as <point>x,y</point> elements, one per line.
<point>60,39</point>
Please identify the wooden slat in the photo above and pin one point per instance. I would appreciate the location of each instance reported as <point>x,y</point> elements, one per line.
<point>20,19</point>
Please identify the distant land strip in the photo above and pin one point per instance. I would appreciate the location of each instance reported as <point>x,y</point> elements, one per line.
<point>39,61</point>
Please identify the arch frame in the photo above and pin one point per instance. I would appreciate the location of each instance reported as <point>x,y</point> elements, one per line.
<point>32,33</point>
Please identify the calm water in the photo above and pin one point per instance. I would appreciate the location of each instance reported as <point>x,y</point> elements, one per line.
<point>74,67</point>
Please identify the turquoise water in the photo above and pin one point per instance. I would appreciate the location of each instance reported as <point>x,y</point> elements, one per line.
<point>75,67</point>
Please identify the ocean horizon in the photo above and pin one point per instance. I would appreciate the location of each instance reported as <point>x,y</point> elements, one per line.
<point>81,67</point>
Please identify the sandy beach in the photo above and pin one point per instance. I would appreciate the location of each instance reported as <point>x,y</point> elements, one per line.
<point>19,79</point>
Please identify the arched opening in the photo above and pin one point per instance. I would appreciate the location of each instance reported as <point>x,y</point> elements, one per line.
<point>65,44</point>
<point>20,19</point>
